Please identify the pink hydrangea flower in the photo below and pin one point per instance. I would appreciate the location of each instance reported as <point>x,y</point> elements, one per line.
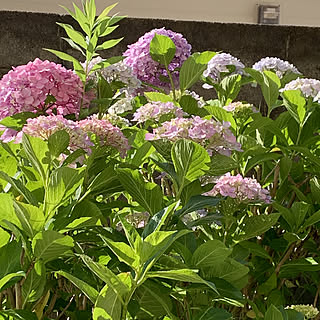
<point>150,71</point>
<point>154,110</point>
<point>244,189</point>
<point>44,126</point>
<point>26,88</point>
<point>213,135</point>
<point>107,133</point>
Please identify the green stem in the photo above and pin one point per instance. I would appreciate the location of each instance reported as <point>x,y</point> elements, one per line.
<point>172,84</point>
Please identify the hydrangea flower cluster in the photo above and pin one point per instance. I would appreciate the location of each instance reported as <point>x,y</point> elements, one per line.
<point>43,127</point>
<point>213,135</point>
<point>150,71</point>
<point>26,88</point>
<point>308,87</point>
<point>219,64</point>
<point>241,110</point>
<point>243,189</point>
<point>107,134</point>
<point>155,110</point>
<point>121,106</point>
<point>117,72</point>
<point>307,310</point>
<point>280,67</point>
<point>117,120</point>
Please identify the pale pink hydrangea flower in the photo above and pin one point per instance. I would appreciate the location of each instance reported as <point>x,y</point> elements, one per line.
<point>26,88</point>
<point>154,110</point>
<point>107,133</point>
<point>44,126</point>
<point>213,135</point>
<point>241,110</point>
<point>243,189</point>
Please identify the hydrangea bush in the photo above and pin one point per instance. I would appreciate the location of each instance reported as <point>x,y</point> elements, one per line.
<point>125,195</point>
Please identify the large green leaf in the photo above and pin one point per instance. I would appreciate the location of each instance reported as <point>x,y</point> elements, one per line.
<point>58,142</point>
<point>193,68</point>
<point>4,237</point>
<point>273,314</point>
<point>37,152</point>
<point>17,121</point>
<point>295,104</point>
<point>49,245</point>
<point>10,258</point>
<point>147,194</point>
<point>31,218</point>
<point>162,49</point>
<point>183,275</point>
<point>19,315</point>
<point>210,252</point>
<point>32,288</point>
<point>190,161</point>
<point>89,291</point>
<point>107,276</point>
<point>10,276</point>
<point>256,225</point>
<point>63,182</point>
<point>214,314</point>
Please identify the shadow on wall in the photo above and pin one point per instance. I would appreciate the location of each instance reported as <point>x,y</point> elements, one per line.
<point>23,35</point>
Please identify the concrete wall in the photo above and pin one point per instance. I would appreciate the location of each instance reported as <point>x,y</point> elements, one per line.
<point>292,12</point>
<point>23,35</point>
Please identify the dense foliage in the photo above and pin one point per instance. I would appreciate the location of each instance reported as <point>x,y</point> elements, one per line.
<point>124,195</point>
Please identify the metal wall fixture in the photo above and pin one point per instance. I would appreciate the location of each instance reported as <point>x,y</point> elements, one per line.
<point>268,14</point>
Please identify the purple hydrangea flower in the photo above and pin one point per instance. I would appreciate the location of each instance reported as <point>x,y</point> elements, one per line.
<point>26,88</point>
<point>243,189</point>
<point>213,135</point>
<point>280,67</point>
<point>219,64</point>
<point>154,110</point>
<point>150,71</point>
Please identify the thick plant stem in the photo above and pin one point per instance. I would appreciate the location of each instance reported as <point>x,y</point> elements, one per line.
<point>285,258</point>
<point>18,296</point>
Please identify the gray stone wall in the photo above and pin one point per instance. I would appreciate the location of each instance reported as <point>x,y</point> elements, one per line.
<point>24,34</point>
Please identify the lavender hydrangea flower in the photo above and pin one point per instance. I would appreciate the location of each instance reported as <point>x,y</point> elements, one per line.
<point>243,189</point>
<point>308,88</point>
<point>26,88</point>
<point>280,67</point>
<point>155,110</point>
<point>213,135</point>
<point>219,64</point>
<point>116,72</point>
<point>150,71</point>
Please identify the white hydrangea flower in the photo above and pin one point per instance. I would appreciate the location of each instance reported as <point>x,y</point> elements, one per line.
<point>280,67</point>
<point>219,64</point>
<point>121,106</point>
<point>308,87</point>
<point>307,310</point>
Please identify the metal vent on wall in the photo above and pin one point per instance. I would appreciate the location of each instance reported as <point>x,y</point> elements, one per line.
<point>268,14</point>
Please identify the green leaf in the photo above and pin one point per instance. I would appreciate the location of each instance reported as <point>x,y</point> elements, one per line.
<point>256,225</point>
<point>214,314</point>
<point>19,314</point>
<point>19,187</point>
<point>210,252</point>
<point>190,106</point>
<point>197,203</point>
<point>183,275</point>
<point>50,245</point>
<point>221,164</point>
<point>63,182</point>
<point>108,44</point>
<point>255,249</point>
<point>58,142</point>
<point>295,104</point>
<point>190,161</point>
<point>81,19</point>
<point>107,306</point>
<point>17,121</point>
<point>106,11</point>
<point>158,96</point>
<point>193,68</point>
<point>89,291</point>
<point>273,314</point>
<point>33,287</point>
<point>158,220</point>
<point>315,218</point>
<point>31,218</point>
<point>221,114</point>
<point>4,237</point>
<point>147,194</point>
<point>162,49</point>
<point>37,151</point>
<point>7,211</point>
<point>74,35</point>
<point>230,87</point>
<point>10,258</point>
<point>8,277</point>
